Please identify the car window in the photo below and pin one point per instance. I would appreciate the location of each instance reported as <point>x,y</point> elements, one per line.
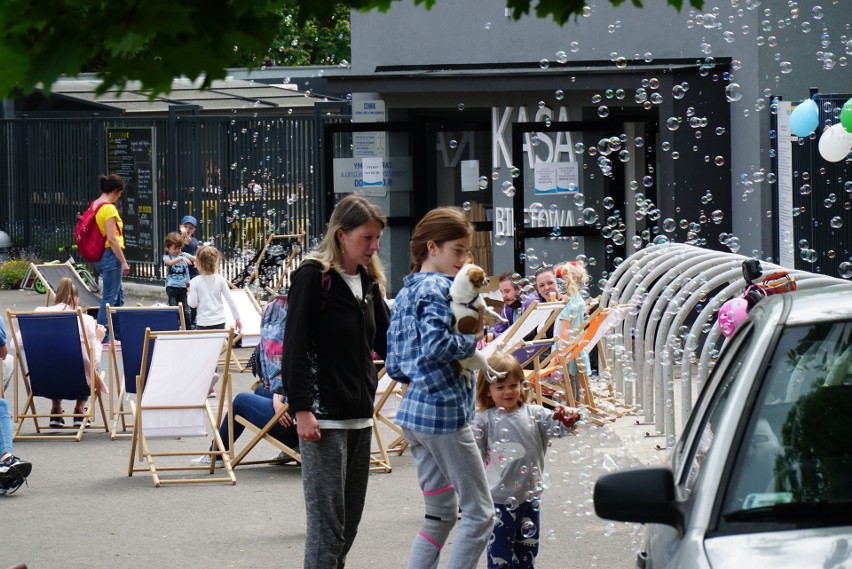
<point>710,408</point>
<point>797,448</point>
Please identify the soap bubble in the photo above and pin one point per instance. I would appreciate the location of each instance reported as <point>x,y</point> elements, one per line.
<point>528,529</point>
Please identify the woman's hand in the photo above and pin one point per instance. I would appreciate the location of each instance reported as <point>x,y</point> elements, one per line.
<point>277,403</point>
<point>125,268</point>
<point>307,426</point>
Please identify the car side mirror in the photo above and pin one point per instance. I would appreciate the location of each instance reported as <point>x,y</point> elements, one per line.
<point>643,495</point>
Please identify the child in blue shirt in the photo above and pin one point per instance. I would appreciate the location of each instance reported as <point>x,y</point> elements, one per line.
<point>177,271</point>
<point>437,408</point>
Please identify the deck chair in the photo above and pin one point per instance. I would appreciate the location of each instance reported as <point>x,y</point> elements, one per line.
<point>51,365</point>
<point>249,314</point>
<point>388,395</point>
<point>532,324</point>
<point>51,273</point>
<point>544,377</point>
<point>171,401</point>
<point>133,322</point>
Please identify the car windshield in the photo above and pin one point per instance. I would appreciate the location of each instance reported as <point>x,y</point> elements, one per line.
<point>797,452</point>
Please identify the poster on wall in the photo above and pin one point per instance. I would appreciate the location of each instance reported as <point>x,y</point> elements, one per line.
<point>557,178</point>
<point>470,176</point>
<point>786,235</point>
<point>131,154</point>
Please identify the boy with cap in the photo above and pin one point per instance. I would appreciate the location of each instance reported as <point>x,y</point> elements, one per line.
<point>188,224</point>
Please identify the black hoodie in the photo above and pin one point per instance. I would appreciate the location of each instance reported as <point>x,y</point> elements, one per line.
<point>330,337</point>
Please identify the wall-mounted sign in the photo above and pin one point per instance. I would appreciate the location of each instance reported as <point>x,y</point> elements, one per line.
<point>130,154</point>
<point>349,175</point>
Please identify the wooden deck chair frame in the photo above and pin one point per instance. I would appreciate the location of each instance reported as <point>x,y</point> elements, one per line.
<point>588,337</point>
<point>51,273</point>
<point>120,413</point>
<point>139,441</point>
<point>239,365</point>
<point>260,434</point>
<point>380,458</point>
<point>28,410</point>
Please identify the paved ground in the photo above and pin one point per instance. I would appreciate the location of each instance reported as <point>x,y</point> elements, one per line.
<point>81,510</point>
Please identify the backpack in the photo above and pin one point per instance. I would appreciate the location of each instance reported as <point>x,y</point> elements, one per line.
<point>87,235</point>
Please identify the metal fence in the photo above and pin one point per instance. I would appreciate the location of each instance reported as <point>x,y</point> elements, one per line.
<point>243,178</point>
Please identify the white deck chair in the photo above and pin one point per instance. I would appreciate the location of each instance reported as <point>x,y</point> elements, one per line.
<point>250,313</point>
<point>535,320</point>
<point>171,400</point>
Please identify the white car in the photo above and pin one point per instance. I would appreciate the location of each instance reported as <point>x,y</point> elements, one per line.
<point>762,475</point>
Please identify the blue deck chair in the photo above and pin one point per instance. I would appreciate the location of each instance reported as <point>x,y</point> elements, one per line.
<point>51,365</point>
<point>133,322</point>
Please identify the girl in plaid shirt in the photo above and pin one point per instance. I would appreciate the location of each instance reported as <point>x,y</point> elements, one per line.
<point>437,408</point>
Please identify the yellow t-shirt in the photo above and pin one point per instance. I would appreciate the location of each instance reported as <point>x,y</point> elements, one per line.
<point>107,211</point>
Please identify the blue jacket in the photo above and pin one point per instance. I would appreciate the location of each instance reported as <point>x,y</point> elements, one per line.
<point>422,350</point>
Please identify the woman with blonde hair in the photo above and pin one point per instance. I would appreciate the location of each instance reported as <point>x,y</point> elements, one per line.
<point>336,319</point>
<point>67,300</point>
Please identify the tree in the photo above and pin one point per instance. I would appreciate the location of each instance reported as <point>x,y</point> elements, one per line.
<point>154,41</point>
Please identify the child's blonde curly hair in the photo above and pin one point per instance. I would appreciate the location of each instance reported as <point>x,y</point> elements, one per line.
<point>575,277</point>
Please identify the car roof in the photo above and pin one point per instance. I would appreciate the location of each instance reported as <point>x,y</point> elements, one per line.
<point>807,307</point>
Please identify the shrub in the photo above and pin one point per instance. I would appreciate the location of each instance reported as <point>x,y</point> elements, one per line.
<point>12,272</point>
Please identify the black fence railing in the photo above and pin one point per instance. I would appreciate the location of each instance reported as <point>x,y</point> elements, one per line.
<point>242,177</point>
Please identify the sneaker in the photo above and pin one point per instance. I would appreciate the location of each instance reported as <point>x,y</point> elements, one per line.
<point>79,420</point>
<point>57,422</point>
<point>283,458</point>
<point>13,474</point>
<point>204,460</point>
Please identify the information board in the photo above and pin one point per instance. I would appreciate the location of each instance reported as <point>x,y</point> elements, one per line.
<point>131,154</point>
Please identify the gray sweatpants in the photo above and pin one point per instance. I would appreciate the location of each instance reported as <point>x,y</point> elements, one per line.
<point>335,470</point>
<point>451,474</point>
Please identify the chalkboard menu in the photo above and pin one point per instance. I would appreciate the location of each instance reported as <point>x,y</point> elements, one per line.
<point>131,154</point>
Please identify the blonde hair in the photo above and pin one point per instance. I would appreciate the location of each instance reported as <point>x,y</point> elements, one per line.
<point>66,293</point>
<point>574,276</point>
<point>352,212</point>
<point>500,362</point>
<point>208,260</point>
<point>173,239</point>
<point>439,225</point>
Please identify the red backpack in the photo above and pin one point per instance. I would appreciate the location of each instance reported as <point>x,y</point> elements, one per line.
<point>87,235</point>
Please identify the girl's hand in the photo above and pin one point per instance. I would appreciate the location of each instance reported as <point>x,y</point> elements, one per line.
<point>307,426</point>
<point>238,326</point>
<point>568,416</point>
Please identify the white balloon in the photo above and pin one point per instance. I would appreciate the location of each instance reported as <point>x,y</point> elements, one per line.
<point>835,143</point>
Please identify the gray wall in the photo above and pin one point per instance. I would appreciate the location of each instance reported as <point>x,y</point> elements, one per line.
<point>479,31</point>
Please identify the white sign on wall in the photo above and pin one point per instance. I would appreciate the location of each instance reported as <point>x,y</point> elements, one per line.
<point>395,175</point>
<point>786,235</point>
<point>369,143</point>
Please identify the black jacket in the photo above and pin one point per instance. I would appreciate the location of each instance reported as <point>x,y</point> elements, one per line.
<point>329,340</point>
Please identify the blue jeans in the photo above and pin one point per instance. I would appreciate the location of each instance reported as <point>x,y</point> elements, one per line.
<point>112,293</point>
<point>5,428</point>
<point>514,542</point>
<point>257,409</point>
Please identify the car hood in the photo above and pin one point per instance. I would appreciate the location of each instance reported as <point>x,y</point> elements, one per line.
<point>829,548</point>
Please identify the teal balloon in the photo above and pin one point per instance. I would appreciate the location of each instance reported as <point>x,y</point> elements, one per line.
<point>804,118</point>
<point>846,116</point>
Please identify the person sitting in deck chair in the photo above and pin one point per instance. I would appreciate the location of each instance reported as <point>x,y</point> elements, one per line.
<point>67,299</point>
<point>268,398</point>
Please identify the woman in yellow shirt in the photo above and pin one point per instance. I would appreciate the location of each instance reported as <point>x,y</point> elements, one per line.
<point>113,264</point>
